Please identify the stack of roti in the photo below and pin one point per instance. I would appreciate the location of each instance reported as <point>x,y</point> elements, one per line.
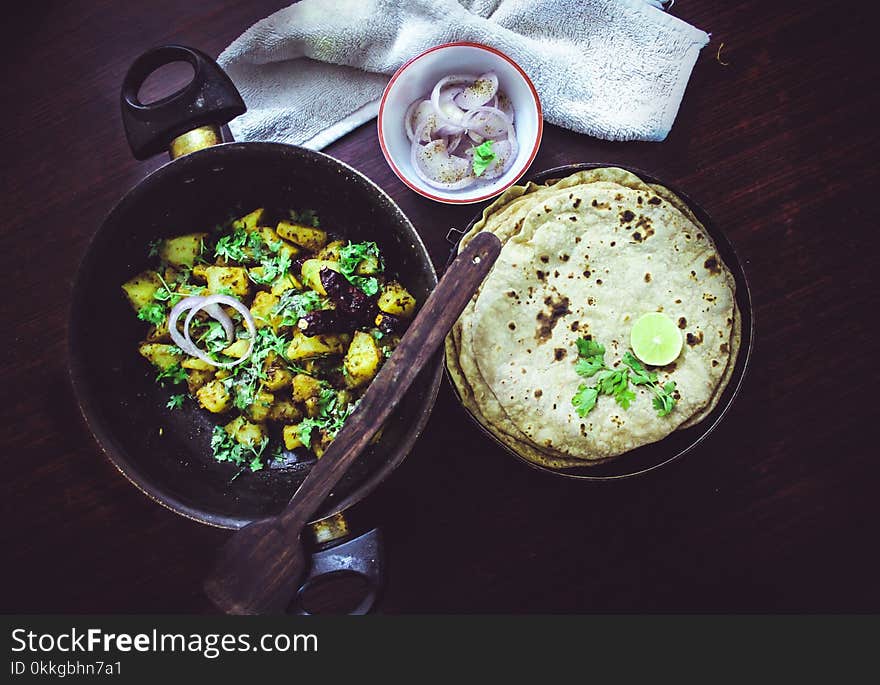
<point>584,257</point>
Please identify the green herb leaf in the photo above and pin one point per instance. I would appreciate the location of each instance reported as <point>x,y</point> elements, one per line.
<point>615,382</point>
<point>483,157</point>
<point>233,246</point>
<point>294,305</point>
<point>585,399</point>
<point>176,401</point>
<point>624,397</point>
<point>153,312</point>
<point>589,367</point>
<point>664,401</point>
<point>306,217</point>
<point>174,373</point>
<point>369,284</point>
<point>226,448</point>
<point>640,375</point>
<point>350,258</point>
<point>154,246</point>
<point>589,348</point>
<point>306,429</point>
<point>273,268</point>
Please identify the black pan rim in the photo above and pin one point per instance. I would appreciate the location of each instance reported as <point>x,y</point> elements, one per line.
<point>743,297</point>
<point>102,434</point>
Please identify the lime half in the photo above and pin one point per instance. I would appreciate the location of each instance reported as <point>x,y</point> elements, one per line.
<point>655,339</point>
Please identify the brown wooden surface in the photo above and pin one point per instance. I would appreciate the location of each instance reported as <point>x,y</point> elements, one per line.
<point>777,511</point>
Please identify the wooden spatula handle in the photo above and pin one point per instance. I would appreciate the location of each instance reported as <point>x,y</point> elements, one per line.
<point>259,567</point>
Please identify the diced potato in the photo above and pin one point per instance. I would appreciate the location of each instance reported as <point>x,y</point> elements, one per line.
<point>214,397</point>
<point>304,347</point>
<point>222,373</point>
<point>141,288</point>
<point>277,377</point>
<point>186,289</point>
<point>250,221</point>
<point>369,266</point>
<point>160,355</point>
<point>261,309</point>
<point>200,273</point>
<point>284,283</point>
<point>182,250</point>
<point>312,239</point>
<point>290,434</point>
<point>245,432</point>
<point>260,407</point>
<point>231,278</point>
<point>362,359</point>
<point>304,387</point>
<point>256,273</point>
<point>396,300</point>
<point>311,273</point>
<point>284,411</point>
<point>197,364</point>
<point>237,349</point>
<point>313,407</point>
<point>330,252</point>
<point>310,367</point>
<point>320,443</point>
<point>271,238</point>
<point>197,379</point>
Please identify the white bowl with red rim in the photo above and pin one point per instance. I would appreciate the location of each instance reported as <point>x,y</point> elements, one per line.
<point>415,80</point>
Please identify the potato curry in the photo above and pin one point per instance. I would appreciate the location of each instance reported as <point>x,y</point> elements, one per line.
<point>273,323</point>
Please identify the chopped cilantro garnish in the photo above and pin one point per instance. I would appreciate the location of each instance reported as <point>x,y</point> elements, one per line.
<point>350,258</point>
<point>639,374</point>
<point>664,400</point>
<point>174,373</point>
<point>226,448</point>
<point>273,267</point>
<point>154,246</point>
<point>233,247</point>
<point>330,419</point>
<point>176,401</point>
<point>293,305</point>
<point>165,293</point>
<point>484,155</point>
<point>153,312</point>
<point>589,348</point>
<point>585,399</point>
<point>615,382</point>
<point>306,217</point>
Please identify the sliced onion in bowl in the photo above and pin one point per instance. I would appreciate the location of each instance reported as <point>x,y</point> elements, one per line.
<point>436,167</point>
<point>478,93</point>
<point>462,111</point>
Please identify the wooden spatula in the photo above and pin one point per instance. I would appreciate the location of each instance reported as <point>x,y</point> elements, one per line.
<point>259,568</point>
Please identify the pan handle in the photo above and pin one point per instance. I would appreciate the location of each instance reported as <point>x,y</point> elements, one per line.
<point>361,556</point>
<point>183,121</point>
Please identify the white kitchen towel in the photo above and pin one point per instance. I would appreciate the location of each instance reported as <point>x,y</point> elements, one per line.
<point>614,69</point>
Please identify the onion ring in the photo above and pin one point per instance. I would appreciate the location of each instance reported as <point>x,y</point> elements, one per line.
<point>415,151</point>
<point>211,304</point>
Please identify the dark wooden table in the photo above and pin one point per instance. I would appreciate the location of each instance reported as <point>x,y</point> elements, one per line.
<point>778,511</point>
